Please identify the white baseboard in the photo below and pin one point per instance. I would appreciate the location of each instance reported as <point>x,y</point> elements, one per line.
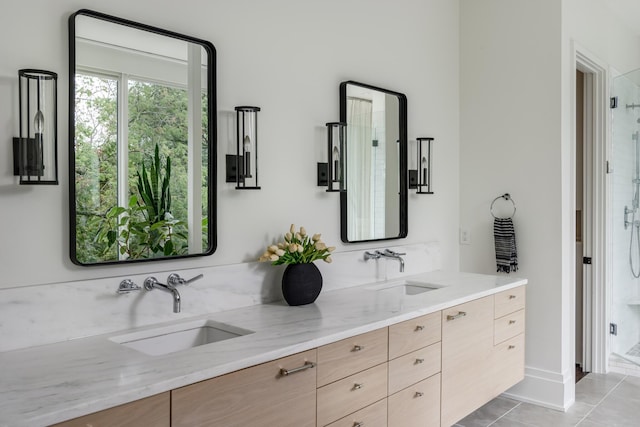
<point>545,388</point>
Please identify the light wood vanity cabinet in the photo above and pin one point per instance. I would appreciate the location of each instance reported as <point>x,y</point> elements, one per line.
<point>343,358</point>
<point>417,405</point>
<point>372,416</point>
<point>429,371</point>
<point>151,411</point>
<point>351,394</point>
<point>482,352</point>
<point>258,396</point>
<point>410,335</point>
<point>414,372</point>
<point>352,374</point>
<point>509,325</point>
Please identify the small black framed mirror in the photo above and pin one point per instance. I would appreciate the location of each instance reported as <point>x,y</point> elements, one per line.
<point>142,144</point>
<point>374,203</point>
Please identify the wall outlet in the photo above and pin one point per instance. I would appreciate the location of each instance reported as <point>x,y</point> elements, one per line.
<point>465,236</point>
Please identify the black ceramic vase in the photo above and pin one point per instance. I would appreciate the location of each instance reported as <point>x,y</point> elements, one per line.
<point>301,283</point>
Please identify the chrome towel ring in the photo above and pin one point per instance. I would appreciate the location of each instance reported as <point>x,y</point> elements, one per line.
<point>505,196</point>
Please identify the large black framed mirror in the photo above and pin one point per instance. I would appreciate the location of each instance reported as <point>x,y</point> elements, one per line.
<point>374,203</point>
<point>142,142</point>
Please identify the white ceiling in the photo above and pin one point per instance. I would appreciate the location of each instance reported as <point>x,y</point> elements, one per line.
<point>628,11</point>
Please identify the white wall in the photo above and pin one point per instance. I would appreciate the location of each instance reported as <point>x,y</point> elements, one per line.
<point>510,143</point>
<point>286,56</point>
<point>516,129</point>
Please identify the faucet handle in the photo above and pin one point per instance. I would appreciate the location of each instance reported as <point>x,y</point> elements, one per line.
<point>175,279</point>
<point>150,282</point>
<point>371,255</point>
<point>126,286</point>
<point>393,253</point>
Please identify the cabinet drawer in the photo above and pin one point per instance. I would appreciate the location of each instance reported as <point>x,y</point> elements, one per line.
<point>343,358</point>
<point>256,396</point>
<point>152,411</point>
<point>414,367</point>
<point>508,363</point>
<point>508,326</point>
<point>417,405</point>
<point>350,394</point>
<point>509,301</point>
<point>413,334</point>
<point>372,416</point>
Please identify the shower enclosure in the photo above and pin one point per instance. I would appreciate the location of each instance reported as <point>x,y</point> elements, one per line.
<point>625,211</point>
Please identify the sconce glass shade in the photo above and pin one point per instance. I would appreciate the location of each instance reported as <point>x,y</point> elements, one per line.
<point>35,152</point>
<point>247,148</point>
<point>336,156</point>
<point>423,170</point>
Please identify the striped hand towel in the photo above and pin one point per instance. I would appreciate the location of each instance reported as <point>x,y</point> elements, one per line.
<point>505,241</point>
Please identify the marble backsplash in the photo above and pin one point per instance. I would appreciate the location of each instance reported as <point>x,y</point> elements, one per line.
<point>49,313</point>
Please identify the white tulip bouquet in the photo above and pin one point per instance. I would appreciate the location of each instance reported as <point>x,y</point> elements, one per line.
<point>298,248</point>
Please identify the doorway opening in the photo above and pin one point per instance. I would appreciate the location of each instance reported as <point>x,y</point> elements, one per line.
<point>583,219</point>
<point>591,225</point>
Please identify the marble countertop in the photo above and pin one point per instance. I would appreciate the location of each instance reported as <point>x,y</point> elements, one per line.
<point>55,382</point>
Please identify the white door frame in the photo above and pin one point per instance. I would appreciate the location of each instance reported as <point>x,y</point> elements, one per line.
<point>598,233</point>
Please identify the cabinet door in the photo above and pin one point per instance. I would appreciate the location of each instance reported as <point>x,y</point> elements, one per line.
<point>467,358</point>
<point>152,412</point>
<point>417,405</point>
<point>259,396</point>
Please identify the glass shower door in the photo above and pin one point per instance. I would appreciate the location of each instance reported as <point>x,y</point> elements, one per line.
<point>625,301</point>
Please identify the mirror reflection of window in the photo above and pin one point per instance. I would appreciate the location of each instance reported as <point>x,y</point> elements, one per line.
<point>374,204</point>
<point>359,165</point>
<point>141,144</point>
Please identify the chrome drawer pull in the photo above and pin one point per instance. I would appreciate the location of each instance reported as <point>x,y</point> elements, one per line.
<point>511,347</point>
<point>419,361</point>
<point>357,386</point>
<point>511,322</point>
<point>418,394</point>
<point>456,316</point>
<point>419,328</point>
<point>512,297</point>
<point>358,424</point>
<point>307,365</point>
<point>358,347</point>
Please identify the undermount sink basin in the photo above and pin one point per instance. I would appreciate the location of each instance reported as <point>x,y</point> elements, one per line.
<point>406,287</point>
<point>178,337</point>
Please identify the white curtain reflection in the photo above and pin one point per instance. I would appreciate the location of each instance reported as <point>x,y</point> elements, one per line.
<point>359,168</point>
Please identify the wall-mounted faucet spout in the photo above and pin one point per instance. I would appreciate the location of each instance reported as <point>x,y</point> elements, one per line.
<point>152,283</point>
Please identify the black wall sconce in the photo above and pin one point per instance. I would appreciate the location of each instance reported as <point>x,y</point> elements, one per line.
<point>420,178</point>
<point>332,173</point>
<point>35,151</point>
<point>242,167</point>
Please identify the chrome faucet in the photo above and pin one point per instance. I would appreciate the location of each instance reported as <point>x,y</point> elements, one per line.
<point>174,279</point>
<point>151,283</point>
<point>388,253</point>
<point>371,255</point>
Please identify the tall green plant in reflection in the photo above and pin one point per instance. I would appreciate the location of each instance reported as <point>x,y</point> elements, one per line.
<point>146,228</point>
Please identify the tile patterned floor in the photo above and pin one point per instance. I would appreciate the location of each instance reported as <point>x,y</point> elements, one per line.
<point>602,400</point>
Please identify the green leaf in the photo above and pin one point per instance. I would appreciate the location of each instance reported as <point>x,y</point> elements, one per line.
<point>168,248</point>
<point>111,237</point>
